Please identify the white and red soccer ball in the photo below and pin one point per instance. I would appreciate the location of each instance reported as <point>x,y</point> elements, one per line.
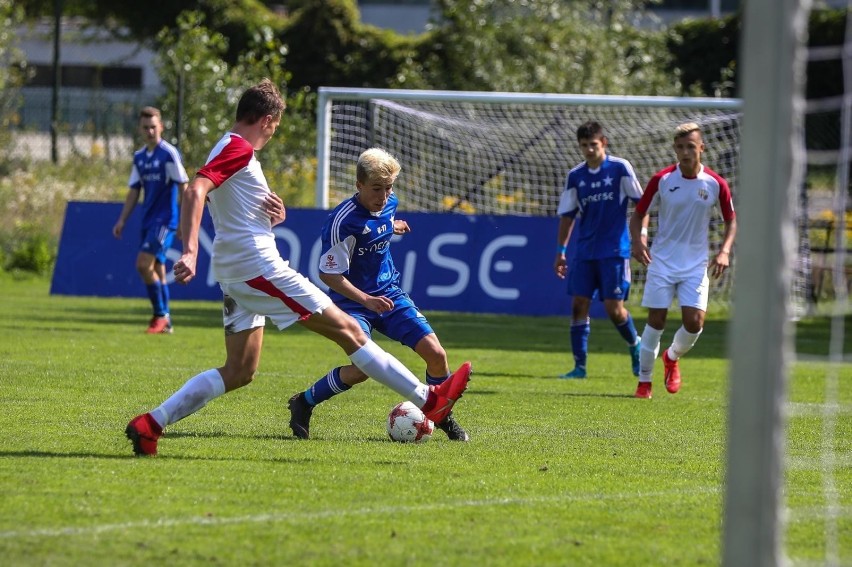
<point>408,424</point>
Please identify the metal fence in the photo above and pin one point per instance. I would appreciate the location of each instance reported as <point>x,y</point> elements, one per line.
<point>99,123</point>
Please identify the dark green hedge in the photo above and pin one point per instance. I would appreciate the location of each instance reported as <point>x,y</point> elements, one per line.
<point>705,52</point>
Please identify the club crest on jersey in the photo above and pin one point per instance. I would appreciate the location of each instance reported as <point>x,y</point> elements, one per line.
<point>329,262</point>
<point>703,194</point>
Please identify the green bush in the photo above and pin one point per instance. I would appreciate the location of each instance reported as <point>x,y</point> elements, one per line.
<point>704,53</point>
<point>33,253</point>
<point>33,199</point>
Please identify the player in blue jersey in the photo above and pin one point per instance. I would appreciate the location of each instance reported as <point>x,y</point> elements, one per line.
<point>357,266</point>
<point>158,173</point>
<point>594,204</point>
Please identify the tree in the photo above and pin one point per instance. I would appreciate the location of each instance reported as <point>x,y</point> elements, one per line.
<point>12,72</point>
<point>238,20</point>
<point>192,67</point>
<point>583,46</point>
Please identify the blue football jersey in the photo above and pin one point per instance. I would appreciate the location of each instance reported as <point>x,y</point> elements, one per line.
<point>597,200</point>
<point>158,174</point>
<point>356,243</point>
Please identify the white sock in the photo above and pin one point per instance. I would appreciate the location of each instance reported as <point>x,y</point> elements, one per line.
<point>648,352</point>
<point>192,396</point>
<point>682,343</point>
<point>388,371</point>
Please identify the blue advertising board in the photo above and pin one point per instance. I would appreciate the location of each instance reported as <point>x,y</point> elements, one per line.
<point>448,262</point>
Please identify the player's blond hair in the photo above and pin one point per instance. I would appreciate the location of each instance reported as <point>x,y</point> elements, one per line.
<point>376,164</point>
<point>686,128</point>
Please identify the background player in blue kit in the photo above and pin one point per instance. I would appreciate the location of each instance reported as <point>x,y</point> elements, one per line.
<point>594,203</point>
<point>357,266</point>
<point>159,173</point>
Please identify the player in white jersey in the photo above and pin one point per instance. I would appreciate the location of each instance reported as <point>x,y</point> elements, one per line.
<point>258,283</point>
<point>685,194</point>
<point>158,173</point>
<point>596,194</point>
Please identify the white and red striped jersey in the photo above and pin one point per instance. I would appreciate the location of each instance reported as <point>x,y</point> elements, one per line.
<point>244,246</point>
<point>681,244</point>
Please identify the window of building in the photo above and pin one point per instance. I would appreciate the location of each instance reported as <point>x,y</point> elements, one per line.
<point>88,76</point>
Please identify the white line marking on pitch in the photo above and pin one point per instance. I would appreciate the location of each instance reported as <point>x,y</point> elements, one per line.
<point>264,518</point>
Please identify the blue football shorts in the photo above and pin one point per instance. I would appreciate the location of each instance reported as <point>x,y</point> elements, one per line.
<point>403,323</point>
<point>606,278</point>
<point>156,241</point>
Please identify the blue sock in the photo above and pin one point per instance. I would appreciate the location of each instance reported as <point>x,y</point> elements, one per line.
<point>432,381</point>
<point>326,387</point>
<point>164,297</point>
<point>156,297</point>
<point>580,342</point>
<point>628,330</point>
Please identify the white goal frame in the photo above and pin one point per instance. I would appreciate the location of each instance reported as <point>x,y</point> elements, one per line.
<point>327,96</point>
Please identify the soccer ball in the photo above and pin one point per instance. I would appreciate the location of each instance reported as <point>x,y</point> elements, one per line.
<point>407,424</point>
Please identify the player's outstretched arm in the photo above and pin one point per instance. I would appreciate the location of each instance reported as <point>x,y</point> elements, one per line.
<point>722,261</point>
<point>639,238</point>
<point>129,205</point>
<point>560,264</point>
<point>190,223</point>
<point>344,287</point>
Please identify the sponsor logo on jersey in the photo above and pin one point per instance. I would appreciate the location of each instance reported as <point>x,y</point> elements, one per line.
<point>375,248</point>
<point>366,230</point>
<point>598,197</point>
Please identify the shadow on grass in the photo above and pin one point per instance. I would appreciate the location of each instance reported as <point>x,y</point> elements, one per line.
<point>552,334</point>
<point>130,455</point>
<point>591,395</point>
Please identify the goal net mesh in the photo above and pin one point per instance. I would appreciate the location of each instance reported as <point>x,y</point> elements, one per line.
<point>511,158</point>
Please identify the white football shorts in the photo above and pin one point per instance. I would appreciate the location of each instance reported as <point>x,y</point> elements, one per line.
<point>660,289</point>
<point>283,294</point>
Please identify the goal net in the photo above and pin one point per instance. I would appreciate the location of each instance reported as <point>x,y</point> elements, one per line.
<point>509,153</point>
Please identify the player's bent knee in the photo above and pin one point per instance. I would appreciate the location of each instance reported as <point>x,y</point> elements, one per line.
<point>237,375</point>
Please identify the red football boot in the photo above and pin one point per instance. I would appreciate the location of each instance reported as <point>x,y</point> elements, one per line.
<point>672,375</point>
<point>442,397</point>
<point>143,432</point>
<point>643,390</point>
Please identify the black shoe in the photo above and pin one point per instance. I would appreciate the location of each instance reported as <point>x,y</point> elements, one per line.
<point>453,430</point>
<point>300,415</point>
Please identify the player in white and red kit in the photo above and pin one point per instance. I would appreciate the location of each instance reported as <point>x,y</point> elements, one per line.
<point>685,194</point>
<point>258,283</point>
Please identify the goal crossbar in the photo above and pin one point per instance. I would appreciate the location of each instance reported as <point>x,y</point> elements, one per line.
<point>327,96</point>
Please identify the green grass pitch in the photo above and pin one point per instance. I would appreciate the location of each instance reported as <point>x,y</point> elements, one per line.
<point>558,472</point>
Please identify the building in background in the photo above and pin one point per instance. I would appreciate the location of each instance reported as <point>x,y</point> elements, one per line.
<point>98,73</point>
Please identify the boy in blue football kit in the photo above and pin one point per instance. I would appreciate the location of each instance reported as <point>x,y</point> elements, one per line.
<point>158,173</point>
<point>357,266</point>
<point>594,203</point>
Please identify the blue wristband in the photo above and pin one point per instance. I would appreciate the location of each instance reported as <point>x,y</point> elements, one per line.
<point>561,249</point>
